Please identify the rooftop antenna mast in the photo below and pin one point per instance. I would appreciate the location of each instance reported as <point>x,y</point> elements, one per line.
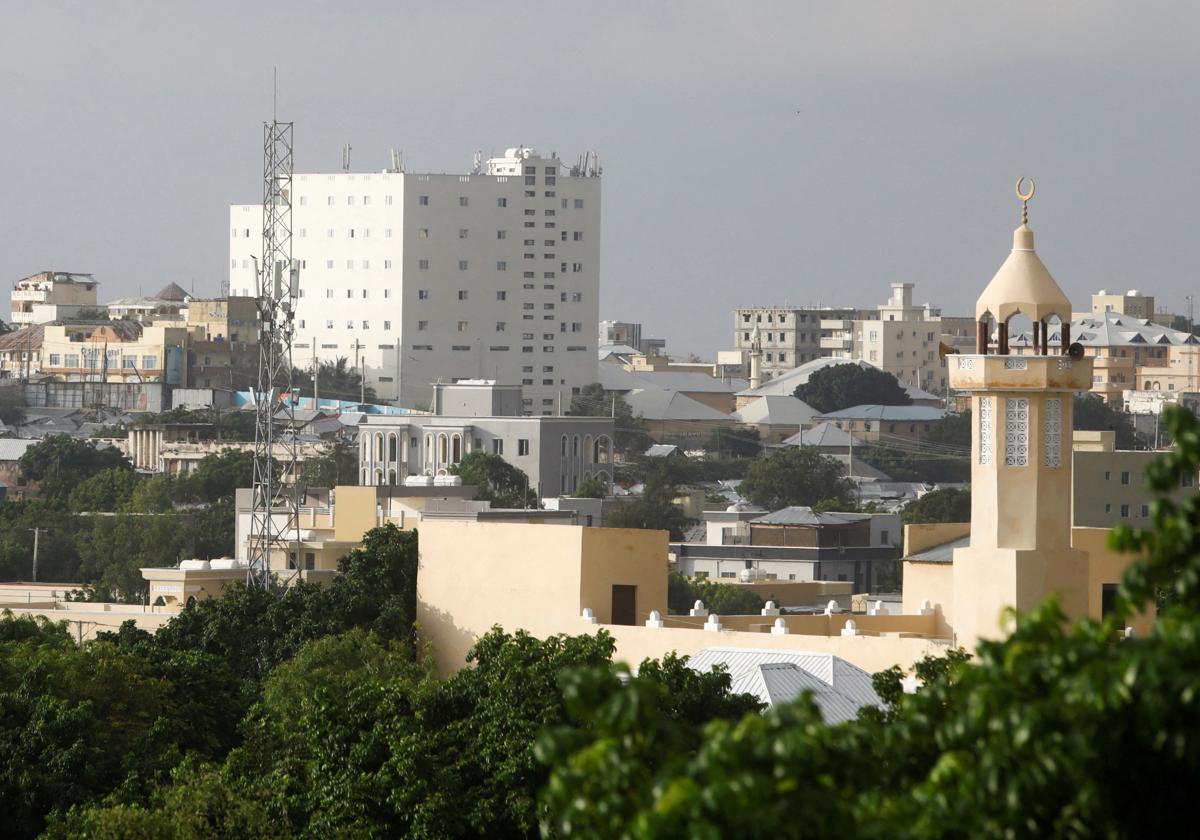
<point>275,508</point>
<point>346,157</point>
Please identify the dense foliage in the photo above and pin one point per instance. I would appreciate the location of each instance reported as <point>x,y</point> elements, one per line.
<point>591,488</point>
<point>720,598</point>
<point>655,508</point>
<point>1092,413</point>
<point>260,715</point>
<point>843,386</point>
<point>949,504</point>
<point>496,481</point>
<point>942,454</point>
<point>796,476</point>
<point>100,522</point>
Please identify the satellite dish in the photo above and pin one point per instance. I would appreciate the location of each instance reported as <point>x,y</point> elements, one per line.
<point>1075,351</point>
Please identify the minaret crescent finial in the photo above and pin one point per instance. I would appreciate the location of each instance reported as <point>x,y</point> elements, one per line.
<point>1025,196</point>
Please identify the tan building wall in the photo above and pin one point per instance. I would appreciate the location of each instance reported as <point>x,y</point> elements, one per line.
<point>1109,488</point>
<point>925,535</point>
<point>474,576</point>
<point>1128,303</point>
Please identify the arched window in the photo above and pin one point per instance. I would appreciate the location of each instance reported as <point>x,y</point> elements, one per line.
<point>378,456</point>
<point>391,476</point>
<point>457,446</point>
<point>392,447</point>
<point>442,449</point>
<point>588,453</point>
<point>575,446</point>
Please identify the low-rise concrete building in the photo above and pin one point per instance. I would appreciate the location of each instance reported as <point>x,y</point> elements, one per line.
<point>51,295</point>
<point>557,453</point>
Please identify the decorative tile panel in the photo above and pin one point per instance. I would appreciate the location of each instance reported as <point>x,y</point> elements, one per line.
<point>985,430</point>
<point>1016,431</point>
<point>1052,433</point>
<point>1016,364</point>
<point>966,364</point>
<point>1064,364</point>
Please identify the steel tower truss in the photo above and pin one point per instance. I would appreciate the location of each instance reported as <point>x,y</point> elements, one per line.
<point>275,515</point>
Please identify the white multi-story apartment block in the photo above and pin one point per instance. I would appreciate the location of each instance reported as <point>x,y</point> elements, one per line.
<point>420,278</point>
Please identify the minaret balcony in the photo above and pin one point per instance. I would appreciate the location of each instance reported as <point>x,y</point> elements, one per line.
<point>1019,373</point>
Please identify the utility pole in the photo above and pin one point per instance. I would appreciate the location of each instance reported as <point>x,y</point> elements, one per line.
<point>35,551</point>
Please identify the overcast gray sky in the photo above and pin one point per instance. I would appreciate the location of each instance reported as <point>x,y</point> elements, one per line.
<point>752,152</point>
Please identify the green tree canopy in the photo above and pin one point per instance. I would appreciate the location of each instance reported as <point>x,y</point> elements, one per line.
<point>60,463</point>
<point>336,380</point>
<point>949,504</point>
<point>592,488</point>
<point>719,598</point>
<point>842,386</point>
<point>795,476</point>
<point>495,480</point>
<point>655,509</point>
<point>1093,414</point>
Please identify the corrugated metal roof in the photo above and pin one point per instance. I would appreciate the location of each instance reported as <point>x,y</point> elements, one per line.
<point>655,404</point>
<point>11,449</point>
<point>776,410</point>
<point>801,515</point>
<point>943,553</point>
<point>839,688</point>
<point>885,413</point>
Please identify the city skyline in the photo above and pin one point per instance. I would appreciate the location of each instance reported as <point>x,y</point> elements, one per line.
<point>752,156</point>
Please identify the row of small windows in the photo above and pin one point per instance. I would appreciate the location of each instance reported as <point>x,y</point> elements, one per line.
<point>462,327</point>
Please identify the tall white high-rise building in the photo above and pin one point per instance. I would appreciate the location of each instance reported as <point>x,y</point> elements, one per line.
<point>419,278</point>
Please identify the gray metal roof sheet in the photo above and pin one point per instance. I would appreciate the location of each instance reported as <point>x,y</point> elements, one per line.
<point>11,449</point>
<point>839,688</point>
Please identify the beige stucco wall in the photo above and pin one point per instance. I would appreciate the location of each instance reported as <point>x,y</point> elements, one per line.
<point>355,513</point>
<point>932,582</point>
<point>918,538</point>
<point>627,556</point>
<point>473,575</point>
<point>1106,566</point>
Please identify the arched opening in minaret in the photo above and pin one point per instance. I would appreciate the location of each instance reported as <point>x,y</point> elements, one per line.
<point>1055,334</point>
<point>984,328</point>
<point>1022,334</point>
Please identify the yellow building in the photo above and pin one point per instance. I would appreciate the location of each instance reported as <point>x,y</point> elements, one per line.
<point>115,351</point>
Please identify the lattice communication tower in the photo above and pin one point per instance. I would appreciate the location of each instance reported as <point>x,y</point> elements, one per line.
<point>275,513</point>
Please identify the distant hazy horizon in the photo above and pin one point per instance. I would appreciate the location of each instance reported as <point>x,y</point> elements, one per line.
<point>752,153</point>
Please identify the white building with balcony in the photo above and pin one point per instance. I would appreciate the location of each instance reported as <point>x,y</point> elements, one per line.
<point>50,296</point>
<point>420,278</point>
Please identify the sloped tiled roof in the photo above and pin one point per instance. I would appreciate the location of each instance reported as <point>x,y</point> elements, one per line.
<point>776,410</point>
<point>1114,329</point>
<point>26,338</point>
<point>803,515</point>
<point>172,291</point>
<point>655,404</point>
<point>825,435</point>
<point>885,413</point>
<point>787,382</point>
<point>616,378</point>
<point>780,676</point>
